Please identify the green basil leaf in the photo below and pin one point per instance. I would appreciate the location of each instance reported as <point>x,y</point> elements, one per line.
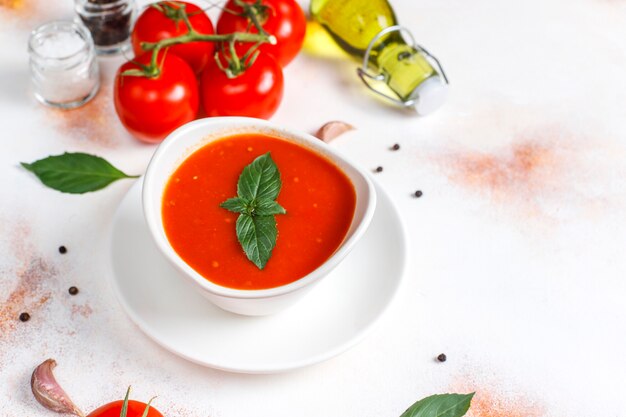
<point>257,188</point>
<point>260,180</point>
<point>268,208</point>
<point>236,205</point>
<point>75,173</point>
<point>441,405</point>
<point>257,235</point>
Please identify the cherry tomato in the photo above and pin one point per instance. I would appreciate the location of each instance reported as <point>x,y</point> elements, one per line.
<point>151,108</point>
<point>135,409</point>
<point>254,93</point>
<point>154,25</point>
<point>283,18</point>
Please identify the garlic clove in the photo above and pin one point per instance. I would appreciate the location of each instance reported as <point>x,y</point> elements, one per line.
<point>331,130</point>
<point>49,393</point>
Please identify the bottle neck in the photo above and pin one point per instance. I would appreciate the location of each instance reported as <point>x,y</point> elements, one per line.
<point>403,67</point>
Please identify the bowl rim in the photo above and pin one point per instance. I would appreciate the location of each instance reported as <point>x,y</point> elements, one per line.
<point>153,216</point>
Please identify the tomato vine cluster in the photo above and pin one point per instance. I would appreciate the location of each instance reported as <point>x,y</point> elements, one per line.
<point>184,64</point>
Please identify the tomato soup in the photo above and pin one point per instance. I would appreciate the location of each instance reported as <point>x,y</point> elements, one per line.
<point>319,198</point>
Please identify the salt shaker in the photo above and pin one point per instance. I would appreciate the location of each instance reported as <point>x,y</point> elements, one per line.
<point>109,21</point>
<point>63,65</point>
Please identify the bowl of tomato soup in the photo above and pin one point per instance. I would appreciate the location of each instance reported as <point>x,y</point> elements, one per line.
<point>325,204</point>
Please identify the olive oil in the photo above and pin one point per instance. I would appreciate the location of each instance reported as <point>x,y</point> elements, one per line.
<point>318,42</point>
<point>369,29</point>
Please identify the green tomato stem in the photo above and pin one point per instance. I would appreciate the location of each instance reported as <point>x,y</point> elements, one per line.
<point>252,11</point>
<point>193,36</point>
<point>153,70</point>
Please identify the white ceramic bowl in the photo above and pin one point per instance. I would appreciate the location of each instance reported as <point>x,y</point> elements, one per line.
<point>188,138</point>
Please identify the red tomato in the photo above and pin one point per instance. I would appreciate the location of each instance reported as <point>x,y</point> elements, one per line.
<point>135,409</point>
<point>284,19</point>
<point>153,25</point>
<point>254,93</point>
<point>151,108</point>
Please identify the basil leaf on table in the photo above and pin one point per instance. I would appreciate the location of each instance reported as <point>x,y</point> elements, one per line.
<point>257,189</point>
<point>75,173</point>
<point>440,405</point>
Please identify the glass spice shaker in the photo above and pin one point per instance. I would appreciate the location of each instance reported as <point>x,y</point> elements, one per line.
<point>109,21</point>
<point>63,65</point>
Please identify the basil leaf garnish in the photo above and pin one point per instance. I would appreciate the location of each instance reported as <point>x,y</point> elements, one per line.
<point>75,173</point>
<point>257,235</point>
<point>440,405</point>
<point>235,204</point>
<point>258,187</point>
<point>260,180</point>
<point>268,208</point>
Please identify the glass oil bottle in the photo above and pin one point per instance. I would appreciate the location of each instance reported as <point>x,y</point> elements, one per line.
<point>393,65</point>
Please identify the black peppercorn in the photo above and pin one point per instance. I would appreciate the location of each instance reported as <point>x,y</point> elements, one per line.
<point>395,147</point>
<point>379,169</point>
<point>73,290</point>
<point>109,21</point>
<point>418,193</point>
<point>24,317</point>
<point>62,250</point>
<point>442,357</point>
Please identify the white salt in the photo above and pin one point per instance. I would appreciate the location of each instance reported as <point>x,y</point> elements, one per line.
<point>60,45</point>
<point>64,70</point>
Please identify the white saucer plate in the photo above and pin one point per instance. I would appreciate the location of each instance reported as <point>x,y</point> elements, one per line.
<point>334,316</point>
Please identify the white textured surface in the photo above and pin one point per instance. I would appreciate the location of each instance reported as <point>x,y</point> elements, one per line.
<point>517,270</point>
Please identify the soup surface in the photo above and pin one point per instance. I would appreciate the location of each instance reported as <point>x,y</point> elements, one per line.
<point>319,199</point>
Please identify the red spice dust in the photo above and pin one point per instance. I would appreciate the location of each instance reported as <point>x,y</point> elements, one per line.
<point>527,167</point>
<point>12,4</point>
<point>176,410</point>
<point>25,284</point>
<point>27,295</point>
<point>487,404</point>
<point>95,122</point>
<point>19,10</point>
<point>82,310</point>
<point>493,399</point>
